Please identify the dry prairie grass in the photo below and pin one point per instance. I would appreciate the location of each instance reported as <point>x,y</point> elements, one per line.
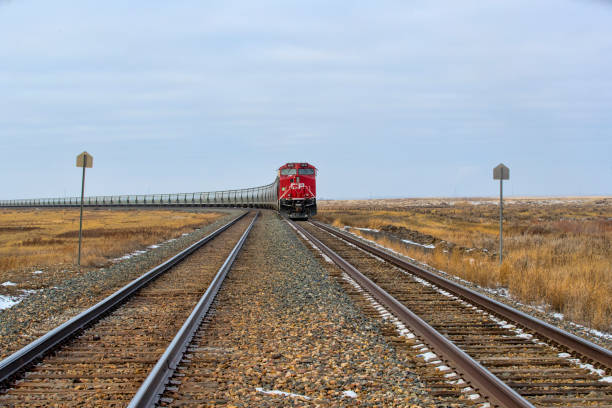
<point>556,253</point>
<point>45,237</point>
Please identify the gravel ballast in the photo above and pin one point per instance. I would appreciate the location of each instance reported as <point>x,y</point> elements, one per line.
<point>285,333</point>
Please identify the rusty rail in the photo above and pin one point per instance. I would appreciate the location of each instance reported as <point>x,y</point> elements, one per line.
<point>479,377</point>
<point>581,346</point>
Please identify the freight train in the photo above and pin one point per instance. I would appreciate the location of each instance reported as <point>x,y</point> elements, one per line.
<point>293,194</point>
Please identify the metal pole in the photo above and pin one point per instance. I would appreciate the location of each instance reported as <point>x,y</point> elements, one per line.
<point>81,219</point>
<point>501,218</point>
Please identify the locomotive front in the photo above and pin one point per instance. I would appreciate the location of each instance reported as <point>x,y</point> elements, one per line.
<point>297,197</point>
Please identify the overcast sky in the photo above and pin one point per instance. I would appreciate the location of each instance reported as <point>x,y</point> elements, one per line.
<point>387,98</point>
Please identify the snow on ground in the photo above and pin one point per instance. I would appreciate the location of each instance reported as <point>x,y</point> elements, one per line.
<point>131,255</point>
<point>429,246</point>
<point>427,356</point>
<point>283,393</point>
<point>8,301</point>
<point>9,283</point>
<point>407,241</point>
<point>37,272</point>
<point>140,251</point>
<point>366,229</point>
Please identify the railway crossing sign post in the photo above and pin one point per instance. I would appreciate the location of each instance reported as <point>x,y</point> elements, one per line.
<point>83,160</point>
<point>501,173</point>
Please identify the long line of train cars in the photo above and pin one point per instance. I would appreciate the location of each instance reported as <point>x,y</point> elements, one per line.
<point>293,194</point>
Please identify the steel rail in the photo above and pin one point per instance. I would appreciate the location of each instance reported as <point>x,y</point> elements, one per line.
<point>153,386</point>
<point>480,378</point>
<point>21,359</point>
<point>585,348</point>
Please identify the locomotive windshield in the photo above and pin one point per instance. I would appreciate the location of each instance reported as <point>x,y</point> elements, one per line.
<point>288,172</point>
<point>306,172</point>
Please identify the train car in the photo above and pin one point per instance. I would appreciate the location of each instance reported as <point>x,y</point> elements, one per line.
<point>293,194</point>
<point>297,190</point>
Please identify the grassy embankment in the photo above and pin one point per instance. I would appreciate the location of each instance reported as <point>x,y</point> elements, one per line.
<point>49,237</point>
<point>556,252</point>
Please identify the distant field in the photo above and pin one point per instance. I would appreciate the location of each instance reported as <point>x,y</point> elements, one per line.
<point>557,251</point>
<point>38,238</point>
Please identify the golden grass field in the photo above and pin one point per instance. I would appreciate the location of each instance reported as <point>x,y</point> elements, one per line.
<point>39,238</point>
<point>557,252</point>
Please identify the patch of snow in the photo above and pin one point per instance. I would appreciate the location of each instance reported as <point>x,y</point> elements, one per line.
<point>153,246</point>
<point>283,393</point>
<point>366,229</point>
<point>7,302</point>
<point>37,272</point>
<point>499,291</point>
<point>427,356</point>
<point>564,355</point>
<point>128,256</point>
<point>429,246</point>
<point>558,316</point>
<point>9,283</point>
<point>30,291</point>
<point>589,367</point>
<point>606,379</point>
<point>349,394</point>
<point>593,331</point>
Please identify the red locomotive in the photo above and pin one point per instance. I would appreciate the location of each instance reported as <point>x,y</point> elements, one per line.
<point>297,190</point>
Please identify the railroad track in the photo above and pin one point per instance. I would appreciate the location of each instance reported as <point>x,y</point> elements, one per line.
<point>103,355</point>
<point>509,358</point>
<point>193,379</point>
<point>270,341</point>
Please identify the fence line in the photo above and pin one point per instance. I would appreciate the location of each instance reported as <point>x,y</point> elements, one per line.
<point>264,196</point>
